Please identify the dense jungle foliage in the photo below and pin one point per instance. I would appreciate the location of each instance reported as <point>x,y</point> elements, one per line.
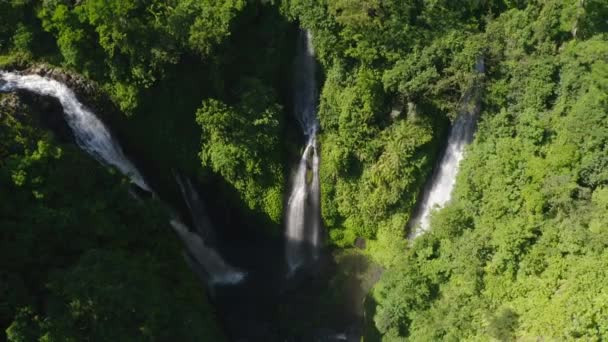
<point>203,86</point>
<point>518,253</point>
<point>81,260</point>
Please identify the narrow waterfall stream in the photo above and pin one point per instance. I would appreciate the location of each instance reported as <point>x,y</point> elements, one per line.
<point>303,221</point>
<point>197,209</point>
<point>91,134</point>
<point>218,270</point>
<point>439,189</point>
<point>94,138</point>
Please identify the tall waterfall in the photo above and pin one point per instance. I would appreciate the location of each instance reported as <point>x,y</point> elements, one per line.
<point>95,139</point>
<point>303,219</point>
<point>91,134</point>
<point>439,189</point>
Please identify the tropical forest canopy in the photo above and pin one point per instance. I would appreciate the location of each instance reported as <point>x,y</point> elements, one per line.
<point>204,86</point>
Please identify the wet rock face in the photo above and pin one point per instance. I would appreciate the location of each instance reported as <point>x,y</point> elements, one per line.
<point>50,115</point>
<point>43,111</point>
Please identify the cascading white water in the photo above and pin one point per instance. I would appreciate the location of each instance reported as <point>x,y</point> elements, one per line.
<point>95,139</point>
<point>303,219</point>
<point>197,209</point>
<point>218,270</point>
<point>439,190</point>
<point>315,205</point>
<point>213,264</point>
<point>90,133</point>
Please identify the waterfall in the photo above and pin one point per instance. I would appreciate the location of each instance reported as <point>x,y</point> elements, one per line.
<point>439,190</point>
<point>197,209</point>
<point>213,264</point>
<point>218,270</point>
<point>315,205</point>
<point>94,138</point>
<point>305,101</point>
<point>303,219</point>
<point>91,134</point>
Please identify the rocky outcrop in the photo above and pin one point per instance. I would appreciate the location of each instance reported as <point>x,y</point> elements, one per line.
<point>76,82</point>
<point>40,111</point>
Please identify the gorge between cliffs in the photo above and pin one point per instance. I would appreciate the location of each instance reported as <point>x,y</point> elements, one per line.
<point>295,170</point>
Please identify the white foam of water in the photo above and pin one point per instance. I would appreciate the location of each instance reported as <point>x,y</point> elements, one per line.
<point>444,178</point>
<point>90,133</point>
<point>217,269</point>
<point>303,221</point>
